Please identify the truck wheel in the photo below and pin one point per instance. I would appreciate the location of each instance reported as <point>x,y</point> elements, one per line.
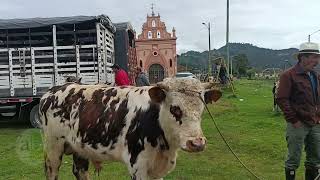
<point>34,117</point>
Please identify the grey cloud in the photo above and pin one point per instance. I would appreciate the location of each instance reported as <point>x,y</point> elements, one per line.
<point>272,24</point>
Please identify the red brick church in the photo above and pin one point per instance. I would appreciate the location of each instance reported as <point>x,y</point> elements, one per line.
<point>156,49</point>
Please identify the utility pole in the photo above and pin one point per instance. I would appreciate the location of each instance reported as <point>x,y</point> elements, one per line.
<point>209,39</point>
<point>209,57</point>
<point>309,36</point>
<point>227,40</point>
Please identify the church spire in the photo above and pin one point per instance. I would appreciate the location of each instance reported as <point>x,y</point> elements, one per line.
<point>173,32</point>
<point>152,7</point>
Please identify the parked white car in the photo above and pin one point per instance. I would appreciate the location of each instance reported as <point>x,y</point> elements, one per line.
<point>185,75</point>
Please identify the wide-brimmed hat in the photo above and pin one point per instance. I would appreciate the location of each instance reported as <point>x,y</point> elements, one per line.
<point>307,48</point>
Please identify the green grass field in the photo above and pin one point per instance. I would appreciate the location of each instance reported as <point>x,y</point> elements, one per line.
<point>252,129</point>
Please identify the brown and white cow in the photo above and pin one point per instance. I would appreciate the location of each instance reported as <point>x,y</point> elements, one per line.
<point>141,126</point>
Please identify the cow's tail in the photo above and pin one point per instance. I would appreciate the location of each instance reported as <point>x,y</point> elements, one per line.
<point>38,116</point>
<point>39,119</point>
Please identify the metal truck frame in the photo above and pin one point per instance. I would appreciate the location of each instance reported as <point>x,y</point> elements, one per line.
<point>38,53</point>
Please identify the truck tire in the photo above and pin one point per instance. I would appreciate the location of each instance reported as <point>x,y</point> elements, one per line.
<point>34,117</point>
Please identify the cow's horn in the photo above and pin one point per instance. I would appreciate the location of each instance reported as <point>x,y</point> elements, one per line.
<point>163,86</point>
<point>207,85</point>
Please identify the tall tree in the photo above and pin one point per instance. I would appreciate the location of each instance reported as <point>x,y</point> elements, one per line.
<point>241,64</point>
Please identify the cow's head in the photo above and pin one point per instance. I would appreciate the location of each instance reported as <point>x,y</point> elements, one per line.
<point>181,109</point>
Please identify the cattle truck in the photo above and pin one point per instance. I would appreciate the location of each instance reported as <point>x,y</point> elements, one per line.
<point>38,53</point>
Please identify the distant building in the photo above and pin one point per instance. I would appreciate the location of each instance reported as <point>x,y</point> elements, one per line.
<point>156,49</point>
<point>125,51</point>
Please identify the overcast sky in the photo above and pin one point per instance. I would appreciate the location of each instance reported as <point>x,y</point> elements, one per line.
<point>274,24</point>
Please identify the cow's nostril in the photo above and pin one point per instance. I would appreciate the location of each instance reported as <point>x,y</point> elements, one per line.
<point>204,140</point>
<point>195,145</point>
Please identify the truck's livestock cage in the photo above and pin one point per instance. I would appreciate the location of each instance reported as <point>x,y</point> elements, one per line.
<point>38,53</point>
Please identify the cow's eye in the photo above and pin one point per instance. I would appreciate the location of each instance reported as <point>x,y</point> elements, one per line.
<point>176,112</point>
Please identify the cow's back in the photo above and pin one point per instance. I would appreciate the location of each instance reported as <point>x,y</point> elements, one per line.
<point>91,119</point>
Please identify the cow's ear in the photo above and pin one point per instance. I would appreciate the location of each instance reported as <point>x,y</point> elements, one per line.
<point>212,95</point>
<point>157,94</point>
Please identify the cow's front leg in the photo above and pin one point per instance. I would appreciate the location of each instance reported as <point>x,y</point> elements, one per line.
<point>53,153</point>
<point>51,165</point>
<point>80,167</point>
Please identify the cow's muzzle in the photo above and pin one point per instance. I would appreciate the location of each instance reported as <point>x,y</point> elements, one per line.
<point>196,145</point>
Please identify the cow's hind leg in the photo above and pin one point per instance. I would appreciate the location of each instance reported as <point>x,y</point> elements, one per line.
<point>80,167</point>
<point>53,157</point>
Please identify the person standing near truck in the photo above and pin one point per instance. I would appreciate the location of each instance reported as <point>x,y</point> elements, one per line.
<point>121,76</point>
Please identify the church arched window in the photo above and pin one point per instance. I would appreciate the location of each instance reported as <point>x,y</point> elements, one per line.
<point>170,62</point>
<point>149,34</point>
<point>153,23</point>
<point>158,34</point>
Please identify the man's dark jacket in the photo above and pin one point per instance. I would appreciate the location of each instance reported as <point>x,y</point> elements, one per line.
<point>296,98</point>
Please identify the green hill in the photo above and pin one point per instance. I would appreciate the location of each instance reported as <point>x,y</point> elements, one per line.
<point>260,58</point>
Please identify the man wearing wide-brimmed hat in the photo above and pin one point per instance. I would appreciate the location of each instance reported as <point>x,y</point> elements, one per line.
<point>298,98</point>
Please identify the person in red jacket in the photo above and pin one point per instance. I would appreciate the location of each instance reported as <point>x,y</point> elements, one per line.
<point>121,76</point>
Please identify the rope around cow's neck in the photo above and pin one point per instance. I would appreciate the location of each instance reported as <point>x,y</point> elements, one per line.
<point>221,135</point>
<point>225,141</point>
